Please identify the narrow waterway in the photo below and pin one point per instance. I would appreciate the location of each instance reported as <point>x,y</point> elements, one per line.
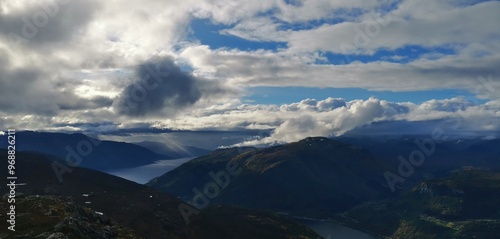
<point>145,173</point>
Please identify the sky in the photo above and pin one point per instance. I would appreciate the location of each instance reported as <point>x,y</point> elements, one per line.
<point>295,68</point>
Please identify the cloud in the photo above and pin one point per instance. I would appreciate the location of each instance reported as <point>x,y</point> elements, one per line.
<point>268,68</point>
<point>257,29</point>
<point>364,28</point>
<point>315,105</point>
<point>32,71</point>
<point>35,90</point>
<point>228,11</point>
<point>162,88</point>
<point>86,104</point>
<point>334,121</point>
<point>291,122</point>
<point>90,59</point>
<point>46,23</point>
<point>389,117</point>
<point>30,90</point>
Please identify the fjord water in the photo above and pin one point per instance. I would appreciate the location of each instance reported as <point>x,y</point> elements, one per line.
<point>145,173</point>
<point>332,230</point>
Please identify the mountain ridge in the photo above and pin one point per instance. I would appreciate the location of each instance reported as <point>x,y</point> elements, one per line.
<point>307,177</point>
<point>81,150</point>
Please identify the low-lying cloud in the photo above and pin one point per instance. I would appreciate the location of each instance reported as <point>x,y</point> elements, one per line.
<point>309,118</point>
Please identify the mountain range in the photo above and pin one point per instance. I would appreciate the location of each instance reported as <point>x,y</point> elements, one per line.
<point>245,192</point>
<point>81,150</point>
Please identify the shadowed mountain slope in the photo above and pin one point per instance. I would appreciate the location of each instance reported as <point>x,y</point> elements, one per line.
<point>85,151</point>
<point>463,205</point>
<point>146,211</point>
<point>312,177</point>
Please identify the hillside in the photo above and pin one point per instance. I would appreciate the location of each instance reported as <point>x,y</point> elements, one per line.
<point>145,211</point>
<point>463,205</point>
<point>313,177</point>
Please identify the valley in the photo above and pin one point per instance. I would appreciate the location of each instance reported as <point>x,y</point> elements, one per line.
<point>312,188</point>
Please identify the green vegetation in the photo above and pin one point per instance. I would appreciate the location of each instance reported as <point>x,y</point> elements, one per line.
<point>464,205</point>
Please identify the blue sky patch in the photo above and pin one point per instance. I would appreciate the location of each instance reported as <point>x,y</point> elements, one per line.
<point>401,55</point>
<point>287,95</point>
<point>208,34</point>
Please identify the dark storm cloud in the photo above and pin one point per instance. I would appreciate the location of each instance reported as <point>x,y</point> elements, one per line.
<point>162,87</point>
